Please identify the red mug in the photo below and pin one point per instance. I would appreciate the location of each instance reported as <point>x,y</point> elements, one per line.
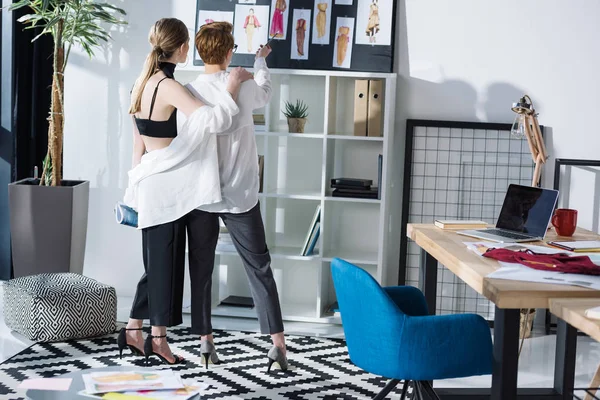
<point>565,221</point>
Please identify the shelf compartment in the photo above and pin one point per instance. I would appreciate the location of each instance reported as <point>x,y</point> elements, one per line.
<point>287,223</point>
<point>351,231</point>
<point>292,165</point>
<point>291,311</point>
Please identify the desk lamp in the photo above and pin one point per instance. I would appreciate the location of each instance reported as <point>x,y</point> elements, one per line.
<point>526,125</point>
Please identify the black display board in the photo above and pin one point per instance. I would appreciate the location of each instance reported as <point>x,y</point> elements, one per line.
<point>365,57</point>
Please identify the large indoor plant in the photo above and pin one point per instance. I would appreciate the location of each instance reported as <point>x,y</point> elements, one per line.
<point>48,216</point>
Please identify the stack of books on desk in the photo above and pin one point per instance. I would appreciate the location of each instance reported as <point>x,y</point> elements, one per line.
<point>352,187</point>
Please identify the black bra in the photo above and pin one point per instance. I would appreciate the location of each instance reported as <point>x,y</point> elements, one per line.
<point>159,129</point>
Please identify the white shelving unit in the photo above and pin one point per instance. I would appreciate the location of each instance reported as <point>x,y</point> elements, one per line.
<point>298,169</point>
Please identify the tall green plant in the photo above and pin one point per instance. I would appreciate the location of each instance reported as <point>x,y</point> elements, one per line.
<point>84,23</point>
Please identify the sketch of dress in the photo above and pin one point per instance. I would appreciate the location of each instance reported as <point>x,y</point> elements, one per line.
<point>209,21</point>
<point>250,24</point>
<point>373,24</point>
<point>321,19</point>
<point>277,28</point>
<point>342,44</point>
<point>300,34</point>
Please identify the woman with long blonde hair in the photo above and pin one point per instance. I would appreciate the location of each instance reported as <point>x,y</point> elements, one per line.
<point>155,100</point>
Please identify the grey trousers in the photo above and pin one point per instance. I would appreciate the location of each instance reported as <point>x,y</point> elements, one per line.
<point>248,235</point>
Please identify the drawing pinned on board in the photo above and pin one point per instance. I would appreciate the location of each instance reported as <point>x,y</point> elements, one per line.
<point>345,2</point>
<point>279,19</point>
<point>322,22</point>
<point>342,53</point>
<point>374,22</point>
<point>300,34</point>
<point>248,27</point>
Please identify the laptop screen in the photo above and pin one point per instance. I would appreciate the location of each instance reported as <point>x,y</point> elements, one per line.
<point>527,209</point>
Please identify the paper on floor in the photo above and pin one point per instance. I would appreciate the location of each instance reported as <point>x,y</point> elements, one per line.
<point>59,384</point>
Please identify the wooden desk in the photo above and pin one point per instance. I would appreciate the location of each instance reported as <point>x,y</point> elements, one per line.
<point>448,248</point>
<point>572,311</point>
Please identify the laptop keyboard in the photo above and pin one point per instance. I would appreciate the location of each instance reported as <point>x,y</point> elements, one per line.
<point>505,234</point>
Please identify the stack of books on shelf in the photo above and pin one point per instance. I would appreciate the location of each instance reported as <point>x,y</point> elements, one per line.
<point>353,187</point>
<point>310,242</point>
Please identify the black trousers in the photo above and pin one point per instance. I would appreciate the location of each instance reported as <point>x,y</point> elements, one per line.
<point>159,294</point>
<point>248,235</point>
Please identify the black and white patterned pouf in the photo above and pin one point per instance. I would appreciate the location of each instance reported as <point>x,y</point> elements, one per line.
<point>59,306</point>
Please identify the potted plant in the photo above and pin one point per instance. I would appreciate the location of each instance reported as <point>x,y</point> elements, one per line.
<point>296,115</point>
<point>48,216</point>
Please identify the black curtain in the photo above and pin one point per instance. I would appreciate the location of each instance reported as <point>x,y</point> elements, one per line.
<point>32,83</point>
<point>24,107</point>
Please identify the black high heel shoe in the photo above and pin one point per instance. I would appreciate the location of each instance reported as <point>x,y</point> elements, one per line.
<point>122,342</point>
<point>148,350</point>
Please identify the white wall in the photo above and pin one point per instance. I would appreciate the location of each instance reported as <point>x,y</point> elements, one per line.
<point>470,59</point>
<point>457,60</point>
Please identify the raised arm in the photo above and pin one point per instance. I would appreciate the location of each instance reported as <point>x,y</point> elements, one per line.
<point>262,76</point>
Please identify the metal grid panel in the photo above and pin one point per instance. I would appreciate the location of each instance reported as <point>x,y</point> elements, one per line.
<point>461,173</point>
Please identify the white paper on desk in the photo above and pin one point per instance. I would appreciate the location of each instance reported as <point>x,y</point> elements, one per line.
<point>518,272</point>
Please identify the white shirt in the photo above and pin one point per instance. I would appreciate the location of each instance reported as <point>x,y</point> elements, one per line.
<point>236,146</point>
<point>170,182</point>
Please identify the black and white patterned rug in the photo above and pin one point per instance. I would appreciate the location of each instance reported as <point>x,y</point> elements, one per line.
<point>319,367</point>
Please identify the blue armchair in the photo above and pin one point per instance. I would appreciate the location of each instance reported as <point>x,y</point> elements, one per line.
<point>390,333</point>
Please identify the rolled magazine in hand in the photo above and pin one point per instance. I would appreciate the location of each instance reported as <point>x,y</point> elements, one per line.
<point>126,215</point>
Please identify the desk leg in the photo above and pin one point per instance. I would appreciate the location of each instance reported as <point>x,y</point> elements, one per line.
<point>564,367</point>
<point>506,354</point>
<point>428,280</point>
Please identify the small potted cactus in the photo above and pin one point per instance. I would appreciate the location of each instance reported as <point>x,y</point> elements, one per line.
<point>296,115</point>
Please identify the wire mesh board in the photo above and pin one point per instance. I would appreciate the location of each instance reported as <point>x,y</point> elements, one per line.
<point>457,170</point>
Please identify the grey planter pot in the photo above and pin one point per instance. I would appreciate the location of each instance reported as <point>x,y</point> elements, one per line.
<point>48,226</point>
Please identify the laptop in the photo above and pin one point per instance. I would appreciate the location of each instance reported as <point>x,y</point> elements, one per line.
<point>524,217</point>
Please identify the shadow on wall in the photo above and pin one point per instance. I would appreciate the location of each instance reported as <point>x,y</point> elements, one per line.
<point>130,40</point>
<point>113,252</point>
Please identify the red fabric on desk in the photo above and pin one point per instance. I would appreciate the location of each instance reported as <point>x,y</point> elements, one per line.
<point>547,262</point>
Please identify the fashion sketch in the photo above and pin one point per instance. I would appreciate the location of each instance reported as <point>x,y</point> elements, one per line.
<point>301,18</point>
<point>250,25</point>
<point>321,19</point>
<point>343,39</point>
<point>374,22</point>
<point>248,28</point>
<point>279,19</point>
<point>322,22</point>
<point>342,55</point>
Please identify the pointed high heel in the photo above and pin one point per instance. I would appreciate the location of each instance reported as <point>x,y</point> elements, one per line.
<point>275,355</point>
<point>148,350</point>
<point>122,342</point>
<point>207,349</point>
